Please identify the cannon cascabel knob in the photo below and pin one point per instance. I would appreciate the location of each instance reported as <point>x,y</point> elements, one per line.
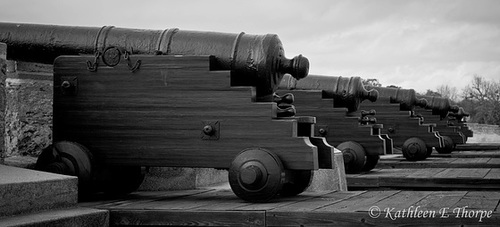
<point>298,66</point>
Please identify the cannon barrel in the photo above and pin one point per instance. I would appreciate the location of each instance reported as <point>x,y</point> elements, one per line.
<point>347,92</point>
<point>440,105</point>
<point>406,97</point>
<point>254,60</point>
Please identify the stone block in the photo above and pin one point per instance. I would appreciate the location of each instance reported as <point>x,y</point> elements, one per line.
<point>25,191</point>
<point>171,178</point>
<point>330,179</point>
<point>75,216</point>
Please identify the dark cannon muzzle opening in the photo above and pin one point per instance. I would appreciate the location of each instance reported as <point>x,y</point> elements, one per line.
<point>254,60</point>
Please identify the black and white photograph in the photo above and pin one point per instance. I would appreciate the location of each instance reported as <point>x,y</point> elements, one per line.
<point>249,113</point>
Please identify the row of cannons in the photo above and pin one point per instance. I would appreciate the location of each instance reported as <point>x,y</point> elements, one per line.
<point>125,99</point>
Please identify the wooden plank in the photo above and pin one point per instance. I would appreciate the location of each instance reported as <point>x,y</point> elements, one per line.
<point>303,198</point>
<point>186,202</point>
<point>494,161</point>
<point>358,203</point>
<point>493,174</point>
<point>470,160</point>
<point>425,173</point>
<point>318,201</point>
<point>478,200</point>
<point>182,218</point>
<point>364,219</point>
<point>402,199</point>
<point>439,200</point>
<point>139,197</point>
<point>447,173</point>
<point>474,173</point>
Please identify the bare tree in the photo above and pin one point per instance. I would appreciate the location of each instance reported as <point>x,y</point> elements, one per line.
<point>448,92</point>
<point>482,99</point>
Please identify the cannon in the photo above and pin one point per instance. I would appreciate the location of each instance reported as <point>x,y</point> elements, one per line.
<point>334,101</point>
<point>437,111</point>
<point>395,111</point>
<point>458,119</point>
<point>126,99</point>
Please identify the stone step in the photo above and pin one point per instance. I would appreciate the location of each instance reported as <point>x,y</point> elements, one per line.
<point>25,191</point>
<point>75,216</point>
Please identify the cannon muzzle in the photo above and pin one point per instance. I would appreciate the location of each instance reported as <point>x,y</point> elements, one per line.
<point>346,92</point>
<point>406,97</point>
<point>254,60</point>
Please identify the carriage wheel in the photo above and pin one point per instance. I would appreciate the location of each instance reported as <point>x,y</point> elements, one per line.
<point>120,180</point>
<point>354,156</point>
<point>68,158</point>
<point>414,149</point>
<point>256,175</point>
<point>449,146</point>
<point>297,182</point>
<point>371,162</point>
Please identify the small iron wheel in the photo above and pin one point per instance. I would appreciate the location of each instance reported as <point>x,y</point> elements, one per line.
<point>449,146</point>
<point>256,175</point>
<point>371,162</point>
<point>297,182</point>
<point>414,149</point>
<point>354,156</point>
<point>68,158</point>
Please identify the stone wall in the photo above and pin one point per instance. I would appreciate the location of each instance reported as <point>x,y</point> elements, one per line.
<point>3,71</point>
<point>29,109</point>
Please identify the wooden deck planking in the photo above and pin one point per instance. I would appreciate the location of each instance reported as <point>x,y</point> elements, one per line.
<point>479,200</point>
<point>425,173</point>
<point>357,203</point>
<point>428,179</point>
<point>493,174</point>
<point>136,199</point>
<point>186,218</point>
<point>439,199</point>
<point>308,209</point>
<point>317,202</point>
<point>440,162</point>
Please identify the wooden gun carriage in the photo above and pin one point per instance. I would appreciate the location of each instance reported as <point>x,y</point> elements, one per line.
<point>334,101</point>
<point>394,109</point>
<point>437,112</point>
<point>458,119</point>
<point>125,99</point>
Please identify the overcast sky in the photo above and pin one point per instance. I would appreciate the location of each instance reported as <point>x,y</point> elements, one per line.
<point>418,44</point>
